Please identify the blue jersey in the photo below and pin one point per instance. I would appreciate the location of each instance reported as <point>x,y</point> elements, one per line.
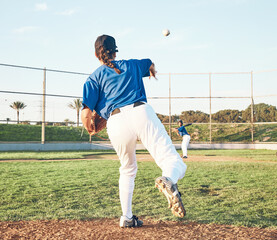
<point>182,131</point>
<point>105,90</point>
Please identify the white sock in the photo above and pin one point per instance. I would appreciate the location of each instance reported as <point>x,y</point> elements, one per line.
<point>126,189</point>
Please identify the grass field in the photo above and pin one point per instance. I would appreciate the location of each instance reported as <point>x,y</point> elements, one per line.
<point>262,155</point>
<point>227,192</point>
<point>23,133</point>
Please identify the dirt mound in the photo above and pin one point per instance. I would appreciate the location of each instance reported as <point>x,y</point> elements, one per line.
<point>109,229</point>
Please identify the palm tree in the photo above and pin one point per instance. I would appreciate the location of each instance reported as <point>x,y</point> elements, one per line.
<point>77,105</point>
<point>18,106</point>
<point>66,121</point>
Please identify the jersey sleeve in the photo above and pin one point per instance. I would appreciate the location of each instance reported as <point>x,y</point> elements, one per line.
<point>144,65</point>
<point>90,94</point>
<point>181,130</point>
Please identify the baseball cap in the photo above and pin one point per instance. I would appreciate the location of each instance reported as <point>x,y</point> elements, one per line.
<point>108,42</point>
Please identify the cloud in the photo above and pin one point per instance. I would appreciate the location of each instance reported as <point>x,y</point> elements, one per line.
<point>25,29</point>
<point>67,12</point>
<point>41,7</point>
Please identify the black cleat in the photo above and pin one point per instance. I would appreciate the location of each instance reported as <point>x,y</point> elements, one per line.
<point>129,223</point>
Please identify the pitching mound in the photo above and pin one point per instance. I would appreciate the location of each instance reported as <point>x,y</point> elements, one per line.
<point>109,229</point>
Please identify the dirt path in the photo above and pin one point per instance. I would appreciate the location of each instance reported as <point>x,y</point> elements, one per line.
<point>144,157</point>
<point>109,229</point>
<point>194,158</point>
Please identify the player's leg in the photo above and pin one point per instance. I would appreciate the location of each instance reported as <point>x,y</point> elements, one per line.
<point>183,146</point>
<point>185,143</point>
<point>155,138</point>
<point>124,143</point>
<point>188,140</point>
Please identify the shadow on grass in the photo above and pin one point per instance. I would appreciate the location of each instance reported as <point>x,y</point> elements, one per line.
<point>106,155</point>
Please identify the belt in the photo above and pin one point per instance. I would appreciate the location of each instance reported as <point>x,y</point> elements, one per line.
<point>117,110</point>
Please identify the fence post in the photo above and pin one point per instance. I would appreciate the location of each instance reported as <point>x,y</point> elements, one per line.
<point>169,102</point>
<point>210,90</point>
<point>43,108</point>
<point>252,109</point>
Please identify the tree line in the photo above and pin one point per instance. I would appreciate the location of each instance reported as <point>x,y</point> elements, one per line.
<point>262,113</point>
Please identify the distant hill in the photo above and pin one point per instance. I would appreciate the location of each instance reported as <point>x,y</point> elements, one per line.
<point>262,113</point>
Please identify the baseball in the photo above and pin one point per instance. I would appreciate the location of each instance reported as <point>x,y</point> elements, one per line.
<point>166,32</point>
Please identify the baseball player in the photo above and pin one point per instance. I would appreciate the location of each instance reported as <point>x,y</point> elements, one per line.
<point>184,134</point>
<point>115,90</point>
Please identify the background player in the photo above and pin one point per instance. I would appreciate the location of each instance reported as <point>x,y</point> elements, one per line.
<point>116,92</point>
<point>181,130</point>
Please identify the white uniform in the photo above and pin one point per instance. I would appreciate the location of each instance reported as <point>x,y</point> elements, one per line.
<point>124,129</point>
<point>186,138</point>
<point>113,97</point>
<point>185,144</point>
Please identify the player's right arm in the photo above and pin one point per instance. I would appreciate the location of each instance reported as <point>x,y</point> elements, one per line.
<point>175,130</point>
<point>152,71</point>
<point>146,67</point>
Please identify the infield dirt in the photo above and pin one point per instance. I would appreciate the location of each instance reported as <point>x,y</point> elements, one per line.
<point>109,229</point>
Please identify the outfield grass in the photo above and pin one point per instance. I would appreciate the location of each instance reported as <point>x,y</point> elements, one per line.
<point>50,155</point>
<point>238,193</point>
<point>258,154</point>
<point>255,154</point>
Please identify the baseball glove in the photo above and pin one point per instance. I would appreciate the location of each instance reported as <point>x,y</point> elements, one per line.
<point>97,123</point>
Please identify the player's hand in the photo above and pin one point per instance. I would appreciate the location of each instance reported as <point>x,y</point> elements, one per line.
<point>152,71</point>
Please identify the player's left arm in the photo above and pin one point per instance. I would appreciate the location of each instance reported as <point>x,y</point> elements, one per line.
<point>86,115</point>
<point>188,124</point>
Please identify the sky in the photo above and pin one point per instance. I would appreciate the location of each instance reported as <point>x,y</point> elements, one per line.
<point>205,36</point>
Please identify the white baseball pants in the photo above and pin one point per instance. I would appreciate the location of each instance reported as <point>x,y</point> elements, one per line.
<point>142,123</point>
<point>185,144</point>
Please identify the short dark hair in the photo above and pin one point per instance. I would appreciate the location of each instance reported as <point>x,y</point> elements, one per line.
<point>180,121</point>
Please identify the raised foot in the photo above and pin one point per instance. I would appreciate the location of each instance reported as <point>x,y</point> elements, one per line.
<point>173,196</point>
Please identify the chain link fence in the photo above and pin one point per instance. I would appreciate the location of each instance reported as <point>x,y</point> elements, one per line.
<point>47,94</point>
